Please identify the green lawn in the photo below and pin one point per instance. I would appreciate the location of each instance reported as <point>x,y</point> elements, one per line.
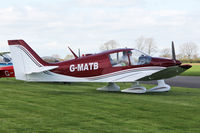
<point>194,71</point>
<point>79,108</point>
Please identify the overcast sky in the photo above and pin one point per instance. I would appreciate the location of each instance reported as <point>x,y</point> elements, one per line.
<point>49,26</point>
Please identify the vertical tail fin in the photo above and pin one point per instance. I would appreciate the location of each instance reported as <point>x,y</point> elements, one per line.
<point>25,60</point>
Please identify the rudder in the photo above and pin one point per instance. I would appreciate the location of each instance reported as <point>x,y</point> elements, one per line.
<point>25,60</point>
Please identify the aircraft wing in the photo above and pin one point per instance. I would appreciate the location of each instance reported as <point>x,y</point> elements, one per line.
<point>166,73</point>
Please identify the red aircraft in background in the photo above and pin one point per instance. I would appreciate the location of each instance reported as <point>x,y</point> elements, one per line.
<point>6,66</point>
<point>119,65</point>
<point>6,72</point>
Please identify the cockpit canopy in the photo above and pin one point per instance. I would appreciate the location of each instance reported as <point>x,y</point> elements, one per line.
<point>5,58</point>
<point>129,57</point>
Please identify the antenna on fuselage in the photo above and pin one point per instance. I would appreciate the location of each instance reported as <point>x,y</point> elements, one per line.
<point>79,53</point>
<point>73,53</point>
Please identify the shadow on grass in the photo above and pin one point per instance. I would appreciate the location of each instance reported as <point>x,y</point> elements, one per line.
<point>95,92</point>
<point>173,93</point>
<point>78,92</point>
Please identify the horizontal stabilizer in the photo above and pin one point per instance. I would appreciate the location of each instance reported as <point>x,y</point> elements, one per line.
<point>41,69</point>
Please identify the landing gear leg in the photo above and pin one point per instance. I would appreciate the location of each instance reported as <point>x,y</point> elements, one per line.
<point>110,87</point>
<point>135,88</point>
<point>162,87</point>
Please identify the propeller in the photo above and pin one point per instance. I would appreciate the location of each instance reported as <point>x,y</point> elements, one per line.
<point>173,52</point>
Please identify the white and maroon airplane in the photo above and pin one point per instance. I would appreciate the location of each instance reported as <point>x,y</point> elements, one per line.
<point>119,65</point>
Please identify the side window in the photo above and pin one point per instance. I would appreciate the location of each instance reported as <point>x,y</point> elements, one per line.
<point>119,59</point>
<point>113,59</point>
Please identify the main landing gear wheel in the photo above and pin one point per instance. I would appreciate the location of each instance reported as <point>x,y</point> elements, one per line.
<point>135,88</point>
<point>110,87</point>
<point>162,87</point>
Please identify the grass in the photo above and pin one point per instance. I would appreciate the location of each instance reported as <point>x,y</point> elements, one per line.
<point>79,108</point>
<point>194,71</point>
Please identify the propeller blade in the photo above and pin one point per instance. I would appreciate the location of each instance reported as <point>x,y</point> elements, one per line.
<point>173,52</point>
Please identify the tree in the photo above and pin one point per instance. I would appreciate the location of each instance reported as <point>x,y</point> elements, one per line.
<point>150,46</point>
<point>112,44</point>
<point>68,57</point>
<point>56,56</point>
<point>180,56</point>
<point>166,52</point>
<point>146,45</point>
<point>51,59</point>
<point>189,50</point>
<point>140,43</point>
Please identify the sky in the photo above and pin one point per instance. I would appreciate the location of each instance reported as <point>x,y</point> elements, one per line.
<point>50,26</point>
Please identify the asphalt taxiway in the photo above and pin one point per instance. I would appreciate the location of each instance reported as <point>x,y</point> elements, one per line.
<point>181,81</point>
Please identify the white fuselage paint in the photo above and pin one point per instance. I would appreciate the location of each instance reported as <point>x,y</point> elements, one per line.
<point>130,75</point>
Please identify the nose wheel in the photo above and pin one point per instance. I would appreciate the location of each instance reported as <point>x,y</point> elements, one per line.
<point>161,87</point>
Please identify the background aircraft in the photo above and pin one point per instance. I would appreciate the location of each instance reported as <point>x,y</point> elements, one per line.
<point>6,66</point>
<point>6,72</point>
<point>119,65</point>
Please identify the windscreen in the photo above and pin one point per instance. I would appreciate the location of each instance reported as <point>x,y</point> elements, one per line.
<point>132,57</point>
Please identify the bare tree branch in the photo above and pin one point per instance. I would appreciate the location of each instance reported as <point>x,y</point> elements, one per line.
<point>146,45</point>
<point>166,52</point>
<point>189,50</point>
<point>112,44</point>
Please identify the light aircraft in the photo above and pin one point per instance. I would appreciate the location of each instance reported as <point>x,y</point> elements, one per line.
<point>119,65</point>
<point>6,66</point>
